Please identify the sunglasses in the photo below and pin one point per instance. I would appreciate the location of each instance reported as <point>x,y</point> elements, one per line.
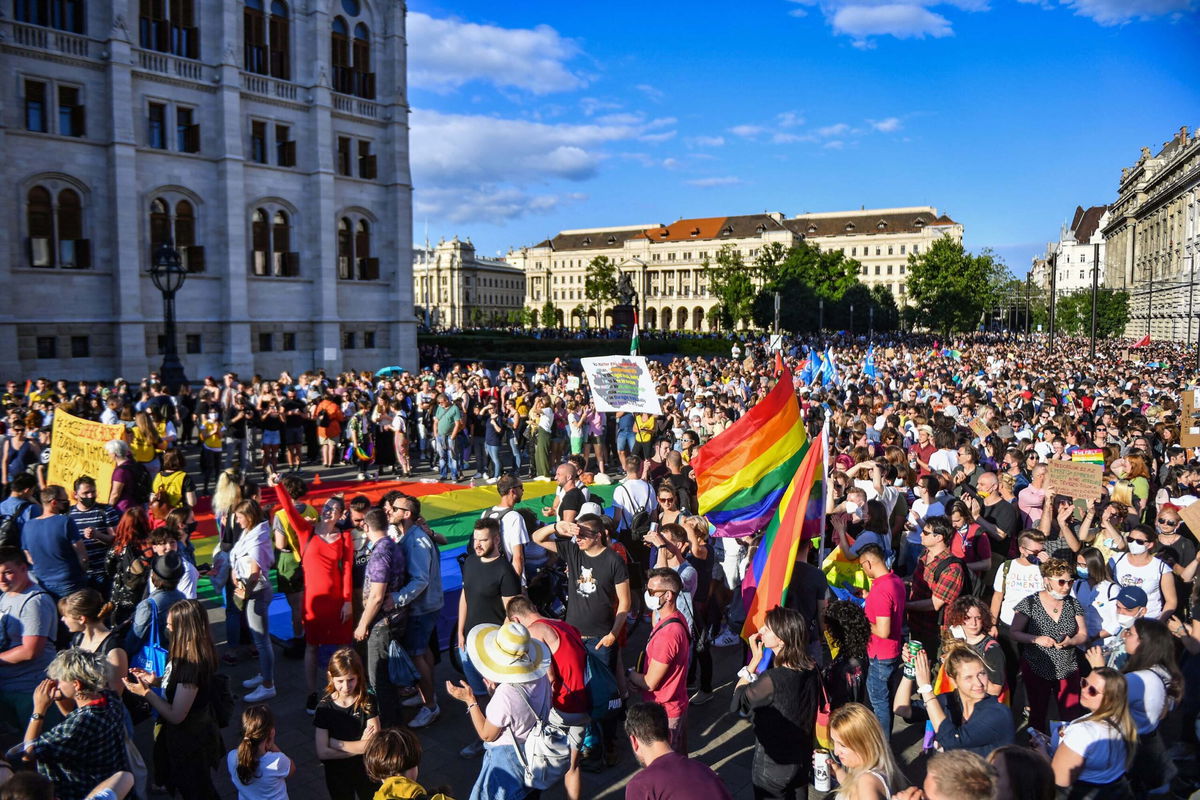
<point>1139,541</point>
<point>1090,690</point>
<point>1171,522</point>
<point>1060,581</point>
<point>666,499</point>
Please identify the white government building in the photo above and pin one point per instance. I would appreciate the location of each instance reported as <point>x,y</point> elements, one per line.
<point>665,262</point>
<point>267,140</point>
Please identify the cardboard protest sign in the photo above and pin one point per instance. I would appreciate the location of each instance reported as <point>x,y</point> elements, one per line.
<point>621,383</point>
<point>1190,514</point>
<point>980,428</point>
<point>1076,479</point>
<point>77,448</point>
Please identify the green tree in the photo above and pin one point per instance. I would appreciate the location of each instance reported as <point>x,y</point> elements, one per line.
<point>731,281</point>
<point>549,315</point>
<point>951,288</point>
<point>1074,313</point>
<point>600,281</point>
<point>529,317</point>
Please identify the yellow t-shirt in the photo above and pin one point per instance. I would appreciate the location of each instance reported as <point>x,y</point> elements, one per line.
<point>172,484</point>
<point>282,525</point>
<point>211,432</point>
<point>643,429</point>
<point>143,448</point>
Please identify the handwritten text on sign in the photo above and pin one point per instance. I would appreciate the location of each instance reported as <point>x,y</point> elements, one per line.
<point>77,448</point>
<point>1076,479</point>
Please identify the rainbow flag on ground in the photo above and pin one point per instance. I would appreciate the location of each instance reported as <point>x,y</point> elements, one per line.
<point>742,474</point>
<point>800,517</point>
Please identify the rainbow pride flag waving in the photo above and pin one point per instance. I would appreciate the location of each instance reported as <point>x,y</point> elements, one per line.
<point>799,517</point>
<point>742,474</point>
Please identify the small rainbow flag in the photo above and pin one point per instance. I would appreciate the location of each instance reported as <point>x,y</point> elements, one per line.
<point>742,474</point>
<point>800,517</point>
<point>1092,456</point>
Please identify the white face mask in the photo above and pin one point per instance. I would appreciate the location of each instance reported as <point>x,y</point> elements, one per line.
<point>957,632</point>
<point>851,507</point>
<point>1124,622</point>
<point>1136,548</point>
<point>1059,595</point>
<point>653,602</point>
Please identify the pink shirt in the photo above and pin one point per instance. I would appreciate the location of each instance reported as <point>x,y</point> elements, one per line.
<point>669,644</point>
<point>886,599</point>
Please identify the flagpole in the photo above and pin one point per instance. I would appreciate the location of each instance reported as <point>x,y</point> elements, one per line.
<point>826,495</point>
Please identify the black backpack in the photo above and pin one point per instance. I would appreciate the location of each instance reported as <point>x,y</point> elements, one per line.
<point>639,524</point>
<point>322,419</point>
<point>10,527</point>
<point>142,485</point>
<point>972,585</point>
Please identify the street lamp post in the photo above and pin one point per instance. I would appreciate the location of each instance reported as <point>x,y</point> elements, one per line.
<point>168,273</point>
<point>852,320</point>
<point>1095,289</point>
<point>870,323</point>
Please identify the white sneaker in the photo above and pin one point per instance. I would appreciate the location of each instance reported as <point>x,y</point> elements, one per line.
<point>412,701</point>
<point>426,716</point>
<point>259,694</point>
<point>726,638</point>
<point>473,750</point>
<point>700,698</point>
<point>252,683</point>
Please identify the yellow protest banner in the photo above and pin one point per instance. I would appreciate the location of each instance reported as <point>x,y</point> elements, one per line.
<point>77,448</point>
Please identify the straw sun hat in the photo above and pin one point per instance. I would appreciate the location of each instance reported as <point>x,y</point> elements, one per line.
<point>507,653</point>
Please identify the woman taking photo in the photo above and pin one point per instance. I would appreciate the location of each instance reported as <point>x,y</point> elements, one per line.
<point>967,718</point>
<point>541,422</point>
<point>1091,754</point>
<point>1049,625</point>
<point>250,562</point>
<point>862,757</point>
<point>187,739</point>
<point>782,703</point>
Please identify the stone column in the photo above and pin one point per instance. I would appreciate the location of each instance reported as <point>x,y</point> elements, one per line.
<point>320,257</point>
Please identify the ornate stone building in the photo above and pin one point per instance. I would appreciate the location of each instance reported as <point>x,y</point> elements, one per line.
<point>1074,254</point>
<point>453,287</point>
<point>1153,239</point>
<point>266,140</point>
<point>666,261</point>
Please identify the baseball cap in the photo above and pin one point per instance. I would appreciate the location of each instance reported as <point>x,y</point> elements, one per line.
<point>1131,597</point>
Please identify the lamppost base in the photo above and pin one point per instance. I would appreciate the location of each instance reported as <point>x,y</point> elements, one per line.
<point>172,373</point>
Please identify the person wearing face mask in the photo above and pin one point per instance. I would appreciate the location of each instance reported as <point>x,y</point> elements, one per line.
<point>97,522</point>
<point>661,673</point>
<point>212,444</point>
<point>1117,617</point>
<point>968,622</point>
<point>1016,579</point>
<point>1049,625</point>
<point>1140,567</point>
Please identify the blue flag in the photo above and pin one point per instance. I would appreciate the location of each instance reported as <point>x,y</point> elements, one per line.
<point>869,364</point>
<point>807,371</point>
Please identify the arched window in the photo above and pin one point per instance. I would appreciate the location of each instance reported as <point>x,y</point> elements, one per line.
<point>283,259</point>
<point>176,227</point>
<point>54,222</point>
<point>271,243</point>
<point>367,268</point>
<point>169,26</point>
<point>355,261</point>
<point>343,72</point>
<point>261,242</point>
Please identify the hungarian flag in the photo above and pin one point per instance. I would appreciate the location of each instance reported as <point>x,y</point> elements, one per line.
<point>1142,342</point>
<point>633,342</point>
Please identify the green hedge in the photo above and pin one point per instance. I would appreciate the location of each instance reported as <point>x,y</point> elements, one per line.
<point>526,348</point>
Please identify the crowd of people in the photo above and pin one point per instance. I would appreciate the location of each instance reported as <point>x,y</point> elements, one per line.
<point>962,624</point>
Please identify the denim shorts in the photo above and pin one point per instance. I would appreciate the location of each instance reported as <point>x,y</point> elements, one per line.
<point>270,437</point>
<point>625,441</point>
<point>416,634</point>
<point>474,679</point>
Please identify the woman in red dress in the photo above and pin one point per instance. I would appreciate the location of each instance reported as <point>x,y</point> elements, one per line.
<point>327,556</point>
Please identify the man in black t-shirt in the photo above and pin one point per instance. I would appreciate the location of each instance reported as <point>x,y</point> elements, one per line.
<point>995,515</point>
<point>571,494</point>
<point>293,427</point>
<point>597,580</point>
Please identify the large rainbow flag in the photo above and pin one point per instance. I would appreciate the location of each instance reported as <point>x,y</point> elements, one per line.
<point>742,474</point>
<point>800,517</point>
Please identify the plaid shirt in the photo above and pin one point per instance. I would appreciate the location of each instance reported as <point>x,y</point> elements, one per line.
<point>84,749</point>
<point>946,587</point>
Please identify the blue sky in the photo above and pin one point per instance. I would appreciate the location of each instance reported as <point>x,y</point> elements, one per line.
<point>533,117</point>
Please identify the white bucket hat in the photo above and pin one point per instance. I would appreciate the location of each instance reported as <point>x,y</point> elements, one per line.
<point>507,653</point>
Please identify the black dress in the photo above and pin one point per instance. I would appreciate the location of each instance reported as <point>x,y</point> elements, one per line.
<point>783,702</point>
<point>346,778</point>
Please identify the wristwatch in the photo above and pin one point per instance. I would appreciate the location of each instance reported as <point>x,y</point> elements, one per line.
<point>36,715</point>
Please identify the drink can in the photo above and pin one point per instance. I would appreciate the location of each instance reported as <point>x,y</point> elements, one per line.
<point>821,777</point>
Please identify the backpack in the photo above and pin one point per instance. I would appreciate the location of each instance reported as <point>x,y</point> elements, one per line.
<point>141,484</point>
<point>639,524</point>
<point>603,694</point>
<point>322,419</point>
<point>222,702</point>
<point>10,526</point>
<point>546,755</point>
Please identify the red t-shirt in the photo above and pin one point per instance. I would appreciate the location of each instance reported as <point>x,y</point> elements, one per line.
<point>669,644</point>
<point>924,454</point>
<point>886,599</point>
<point>570,669</point>
<point>972,546</point>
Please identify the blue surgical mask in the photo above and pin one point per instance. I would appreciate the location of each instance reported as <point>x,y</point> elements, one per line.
<point>1081,572</point>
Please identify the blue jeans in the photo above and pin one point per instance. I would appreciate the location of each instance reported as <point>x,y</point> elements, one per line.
<point>601,732</point>
<point>447,457</point>
<point>515,446</point>
<point>493,455</point>
<point>879,680</point>
<point>236,633</point>
<point>474,679</point>
<point>501,777</point>
<point>257,617</point>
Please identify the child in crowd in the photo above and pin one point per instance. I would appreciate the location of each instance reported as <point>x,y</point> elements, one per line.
<point>258,769</point>
<point>345,721</point>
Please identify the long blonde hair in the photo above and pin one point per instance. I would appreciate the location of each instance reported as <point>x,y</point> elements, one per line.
<point>228,494</point>
<point>1114,709</point>
<point>858,728</point>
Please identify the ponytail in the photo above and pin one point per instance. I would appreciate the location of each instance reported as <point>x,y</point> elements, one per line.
<point>258,723</point>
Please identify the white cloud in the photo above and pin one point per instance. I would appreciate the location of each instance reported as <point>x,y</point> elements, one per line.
<point>728,180</point>
<point>886,125</point>
<point>836,144</point>
<point>657,137</point>
<point>789,119</point>
<point>787,138</point>
<point>833,130</point>
<point>1117,12</point>
<point>746,131</point>
<point>705,141</point>
<point>487,203</point>
<point>593,105</point>
<point>444,54</point>
<point>901,20</point>
<point>649,91</point>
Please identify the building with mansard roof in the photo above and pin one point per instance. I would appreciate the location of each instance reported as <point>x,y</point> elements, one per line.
<point>454,287</point>
<point>266,140</point>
